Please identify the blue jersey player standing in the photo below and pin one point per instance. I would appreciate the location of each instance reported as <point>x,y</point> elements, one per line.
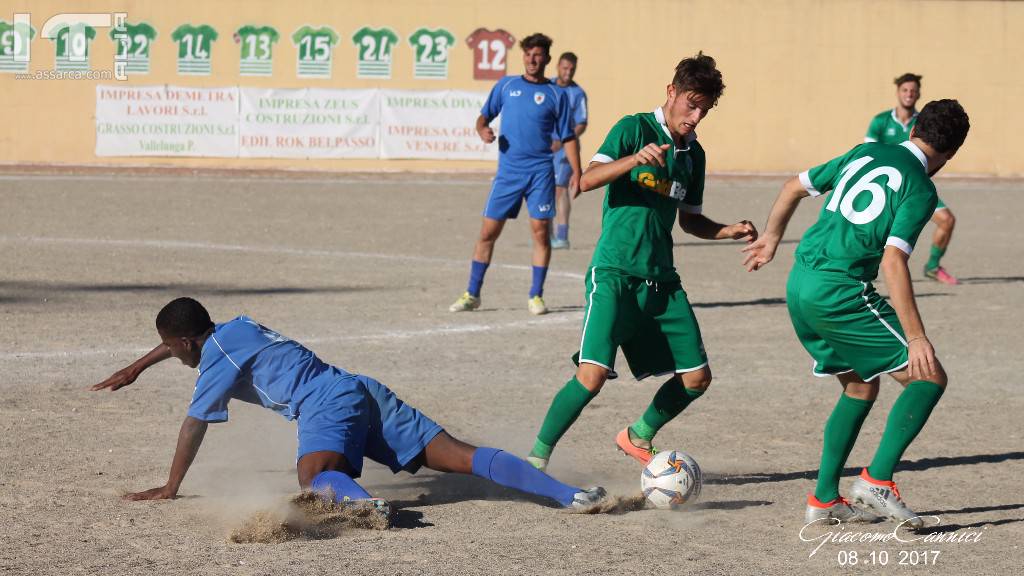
<point>532,108</point>
<point>342,417</point>
<point>563,171</point>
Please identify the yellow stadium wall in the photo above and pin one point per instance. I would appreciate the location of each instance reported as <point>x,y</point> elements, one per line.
<point>803,76</point>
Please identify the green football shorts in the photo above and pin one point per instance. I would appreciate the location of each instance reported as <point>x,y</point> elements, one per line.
<point>940,205</point>
<point>652,322</point>
<point>844,324</point>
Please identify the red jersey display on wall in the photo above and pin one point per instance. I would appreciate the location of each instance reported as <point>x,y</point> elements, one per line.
<point>490,52</point>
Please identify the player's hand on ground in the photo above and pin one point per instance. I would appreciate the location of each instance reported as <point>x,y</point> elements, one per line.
<point>759,252</point>
<point>921,358</point>
<point>574,186</point>
<point>486,134</point>
<point>158,493</point>
<point>117,380</point>
<point>651,155</point>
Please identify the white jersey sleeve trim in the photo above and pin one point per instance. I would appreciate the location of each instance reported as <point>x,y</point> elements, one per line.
<point>690,209</point>
<point>805,180</point>
<point>899,243</point>
<point>869,139</point>
<point>602,158</point>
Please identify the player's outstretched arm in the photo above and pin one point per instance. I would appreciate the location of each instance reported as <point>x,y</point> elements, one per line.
<point>921,355</point>
<point>599,174</point>
<point>762,250</point>
<point>189,439</point>
<point>126,376</point>
<point>701,226</point>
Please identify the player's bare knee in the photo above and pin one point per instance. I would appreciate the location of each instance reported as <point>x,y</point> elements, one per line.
<point>445,453</point>
<point>938,377</point>
<point>945,219</point>
<point>697,379</point>
<point>316,462</point>
<point>592,376</point>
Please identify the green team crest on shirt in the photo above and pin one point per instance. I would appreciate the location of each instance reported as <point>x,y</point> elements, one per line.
<point>14,46</point>
<point>432,49</point>
<point>315,51</point>
<point>72,44</point>
<point>194,43</point>
<point>132,43</point>
<point>374,47</point>
<point>257,45</point>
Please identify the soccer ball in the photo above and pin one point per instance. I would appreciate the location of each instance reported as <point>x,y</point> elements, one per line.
<point>671,479</point>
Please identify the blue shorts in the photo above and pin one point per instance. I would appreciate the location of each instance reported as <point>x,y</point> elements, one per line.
<point>509,189</point>
<point>361,417</point>
<point>563,171</point>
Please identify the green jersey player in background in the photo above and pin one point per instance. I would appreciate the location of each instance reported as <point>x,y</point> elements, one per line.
<point>653,166</point>
<point>881,198</point>
<point>894,126</point>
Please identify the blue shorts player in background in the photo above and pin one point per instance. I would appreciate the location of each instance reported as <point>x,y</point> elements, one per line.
<point>532,108</point>
<point>342,417</point>
<point>563,171</point>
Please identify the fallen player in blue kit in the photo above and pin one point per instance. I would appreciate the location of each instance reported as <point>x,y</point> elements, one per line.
<point>342,417</point>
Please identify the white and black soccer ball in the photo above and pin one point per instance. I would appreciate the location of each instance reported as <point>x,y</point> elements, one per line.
<point>671,479</point>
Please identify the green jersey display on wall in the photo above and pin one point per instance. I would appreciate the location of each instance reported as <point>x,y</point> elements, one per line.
<point>14,42</point>
<point>73,43</point>
<point>374,47</point>
<point>194,43</point>
<point>257,45</point>
<point>432,49</point>
<point>131,45</point>
<point>315,49</point>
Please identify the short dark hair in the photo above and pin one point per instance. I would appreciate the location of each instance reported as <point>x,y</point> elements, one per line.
<point>183,317</point>
<point>537,40</point>
<point>699,74</point>
<point>908,77</point>
<point>943,125</point>
<point>568,56</point>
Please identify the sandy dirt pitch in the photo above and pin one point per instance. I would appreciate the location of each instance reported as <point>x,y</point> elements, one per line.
<point>362,269</point>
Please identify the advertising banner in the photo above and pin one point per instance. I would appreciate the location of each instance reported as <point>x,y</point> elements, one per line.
<point>166,121</point>
<point>434,125</point>
<point>309,123</point>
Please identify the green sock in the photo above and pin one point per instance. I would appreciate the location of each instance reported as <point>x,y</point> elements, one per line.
<point>841,431</point>
<point>564,410</point>
<point>671,399</point>
<point>906,419</point>
<point>936,255</point>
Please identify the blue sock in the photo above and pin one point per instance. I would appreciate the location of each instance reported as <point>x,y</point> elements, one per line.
<point>343,486</point>
<point>505,469</point>
<point>562,231</point>
<point>539,274</point>
<point>476,277</point>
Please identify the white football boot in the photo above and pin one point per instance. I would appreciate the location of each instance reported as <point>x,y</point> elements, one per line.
<point>465,303</point>
<point>839,510</point>
<point>587,499</point>
<point>536,306</point>
<point>883,498</point>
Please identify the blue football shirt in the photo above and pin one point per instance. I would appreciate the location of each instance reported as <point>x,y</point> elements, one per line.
<point>577,103</point>
<point>531,114</point>
<point>249,362</point>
